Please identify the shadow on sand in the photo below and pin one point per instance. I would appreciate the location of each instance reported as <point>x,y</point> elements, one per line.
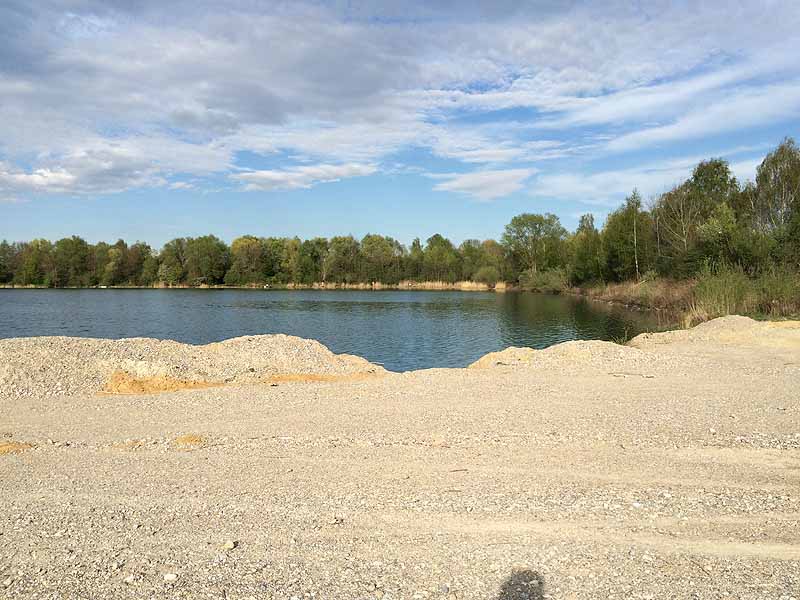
<point>522,584</point>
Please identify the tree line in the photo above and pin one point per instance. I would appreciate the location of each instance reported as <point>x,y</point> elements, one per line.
<point>709,219</point>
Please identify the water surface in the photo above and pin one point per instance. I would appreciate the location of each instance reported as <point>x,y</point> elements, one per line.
<point>401,330</point>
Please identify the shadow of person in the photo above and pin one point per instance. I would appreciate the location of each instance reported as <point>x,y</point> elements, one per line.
<point>522,584</point>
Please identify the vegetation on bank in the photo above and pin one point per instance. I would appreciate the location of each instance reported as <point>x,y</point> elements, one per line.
<point>709,246</point>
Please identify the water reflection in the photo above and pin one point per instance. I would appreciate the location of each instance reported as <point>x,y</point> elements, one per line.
<point>402,330</point>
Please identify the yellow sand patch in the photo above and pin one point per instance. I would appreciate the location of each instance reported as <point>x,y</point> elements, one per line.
<point>122,382</point>
<point>13,447</point>
<point>316,378</point>
<point>189,441</point>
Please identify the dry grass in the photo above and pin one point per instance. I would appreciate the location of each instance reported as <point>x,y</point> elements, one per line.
<point>660,294</point>
<point>14,447</point>
<point>122,382</point>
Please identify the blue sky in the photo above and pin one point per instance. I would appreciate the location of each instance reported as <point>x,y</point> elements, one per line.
<point>138,121</point>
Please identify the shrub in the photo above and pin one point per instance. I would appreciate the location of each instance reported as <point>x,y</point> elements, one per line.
<point>553,281</point>
<point>488,275</point>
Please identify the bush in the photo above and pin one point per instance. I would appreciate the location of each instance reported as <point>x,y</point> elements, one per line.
<point>553,281</point>
<point>487,275</point>
<point>724,290</point>
<point>727,290</point>
<point>778,293</point>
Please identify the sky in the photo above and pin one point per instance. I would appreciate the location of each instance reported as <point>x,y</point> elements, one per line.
<point>146,120</point>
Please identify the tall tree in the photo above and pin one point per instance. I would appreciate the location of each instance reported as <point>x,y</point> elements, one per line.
<point>247,261</point>
<point>535,242</point>
<point>207,260</point>
<point>629,240</point>
<point>441,260</point>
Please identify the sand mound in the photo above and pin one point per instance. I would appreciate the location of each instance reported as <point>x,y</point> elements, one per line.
<point>651,351</point>
<point>588,354</point>
<point>48,366</point>
<point>733,330</point>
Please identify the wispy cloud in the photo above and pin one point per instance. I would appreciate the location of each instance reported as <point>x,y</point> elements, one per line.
<point>485,185</point>
<point>299,177</point>
<point>105,97</point>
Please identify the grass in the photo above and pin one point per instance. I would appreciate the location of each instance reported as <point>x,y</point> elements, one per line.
<point>651,293</point>
<point>728,291</point>
<point>715,292</point>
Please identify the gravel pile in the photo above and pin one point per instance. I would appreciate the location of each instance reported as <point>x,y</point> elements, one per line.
<point>732,330</point>
<point>593,354</point>
<point>52,366</point>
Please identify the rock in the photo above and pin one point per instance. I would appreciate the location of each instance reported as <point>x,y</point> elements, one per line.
<point>444,589</point>
<point>230,545</point>
<point>170,577</point>
<point>7,582</point>
<point>130,579</point>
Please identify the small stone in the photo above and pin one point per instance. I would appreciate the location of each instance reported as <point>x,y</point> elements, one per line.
<point>637,505</point>
<point>444,588</point>
<point>129,579</point>
<point>230,545</point>
<point>7,582</point>
<point>170,577</point>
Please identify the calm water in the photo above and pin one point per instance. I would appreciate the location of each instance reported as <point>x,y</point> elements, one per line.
<point>401,330</point>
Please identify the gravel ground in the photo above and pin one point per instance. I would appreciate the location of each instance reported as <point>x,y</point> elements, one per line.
<point>668,469</point>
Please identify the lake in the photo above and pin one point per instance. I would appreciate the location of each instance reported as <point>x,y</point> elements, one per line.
<point>403,330</point>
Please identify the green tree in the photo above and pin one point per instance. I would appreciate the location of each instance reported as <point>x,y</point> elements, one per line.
<point>247,261</point>
<point>206,261</point>
<point>441,261</point>
<point>273,252</point>
<point>135,261</point>
<point>535,242</point>
<point>71,262</point>
<point>380,259</point>
<point>290,264</point>
<point>587,252</point>
<point>311,258</point>
<point>472,259</point>
<point>413,263</point>
<point>629,240</point>
<point>172,270</point>
<point>35,264</point>
<point>7,259</point>
<point>341,264</point>
<point>777,198</point>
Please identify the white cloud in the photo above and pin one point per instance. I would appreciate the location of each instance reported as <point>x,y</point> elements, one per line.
<point>299,177</point>
<point>105,97</point>
<point>608,188</point>
<point>485,185</point>
<point>742,109</point>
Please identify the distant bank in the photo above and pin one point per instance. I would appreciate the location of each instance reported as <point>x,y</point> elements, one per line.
<point>465,286</point>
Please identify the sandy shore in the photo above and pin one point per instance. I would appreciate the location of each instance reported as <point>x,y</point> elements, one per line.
<point>271,468</point>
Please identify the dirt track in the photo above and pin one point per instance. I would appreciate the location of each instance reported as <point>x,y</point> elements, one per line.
<point>670,469</point>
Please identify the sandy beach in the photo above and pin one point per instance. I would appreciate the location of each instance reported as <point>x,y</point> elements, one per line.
<point>267,467</point>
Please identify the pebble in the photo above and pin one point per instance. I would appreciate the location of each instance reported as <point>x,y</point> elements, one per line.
<point>170,577</point>
<point>230,545</point>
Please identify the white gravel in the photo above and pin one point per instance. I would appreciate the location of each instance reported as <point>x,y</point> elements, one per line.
<point>586,471</point>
